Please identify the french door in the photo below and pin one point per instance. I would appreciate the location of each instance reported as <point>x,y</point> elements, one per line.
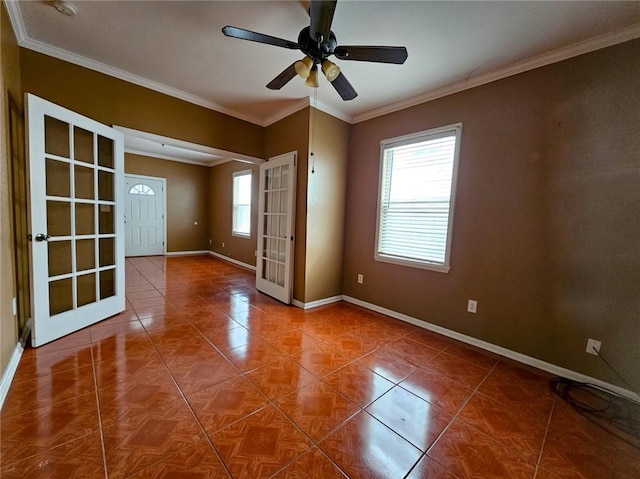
<point>276,214</point>
<point>76,175</point>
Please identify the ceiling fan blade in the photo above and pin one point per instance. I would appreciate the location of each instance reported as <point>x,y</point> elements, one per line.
<point>285,77</point>
<point>396,55</point>
<point>243,34</point>
<point>344,88</point>
<point>321,12</point>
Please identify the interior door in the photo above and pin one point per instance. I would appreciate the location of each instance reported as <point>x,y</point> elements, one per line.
<point>76,175</point>
<point>144,216</point>
<point>276,214</point>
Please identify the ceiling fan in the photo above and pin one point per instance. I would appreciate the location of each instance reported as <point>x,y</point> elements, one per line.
<point>318,42</point>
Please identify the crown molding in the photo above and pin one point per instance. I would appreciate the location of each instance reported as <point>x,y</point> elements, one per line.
<point>298,105</point>
<point>564,53</point>
<point>340,115</point>
<point>85,62</point>
<point>574,50</point>
<point>15,16</point>
<point>302,104</point>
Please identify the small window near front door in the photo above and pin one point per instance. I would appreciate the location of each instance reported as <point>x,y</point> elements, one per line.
<point>141,189</point>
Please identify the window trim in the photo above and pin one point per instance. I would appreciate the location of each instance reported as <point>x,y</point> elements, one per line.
<point>407,140</point>
<point>236,174</point>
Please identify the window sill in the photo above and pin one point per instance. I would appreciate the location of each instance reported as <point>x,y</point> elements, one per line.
<point>412,263</point>
<point>241,235</point>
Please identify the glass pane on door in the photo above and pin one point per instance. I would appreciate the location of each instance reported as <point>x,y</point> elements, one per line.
<point>58,218</point>
<point>58,178</point>
<point>83,145</point>
<point>56,137</point>
<point>60,296</point>
<point>60,261</point>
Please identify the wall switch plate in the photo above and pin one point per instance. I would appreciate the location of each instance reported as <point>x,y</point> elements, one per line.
<point>593,346</point>
<point>360,279</point>
<point>472,306</point>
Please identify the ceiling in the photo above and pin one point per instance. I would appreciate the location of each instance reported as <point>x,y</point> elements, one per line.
<point>178,47</point>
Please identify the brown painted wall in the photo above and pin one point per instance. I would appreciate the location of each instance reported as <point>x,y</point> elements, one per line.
<point>326,197</point>
<point>546,228</point>
<point>220,212</point>
<point>9,86</point>
<point>117,102</point>
<point>284,136</point>
<point>187,199</point>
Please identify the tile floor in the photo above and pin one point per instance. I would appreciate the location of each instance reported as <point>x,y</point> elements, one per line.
<point>203,377</point>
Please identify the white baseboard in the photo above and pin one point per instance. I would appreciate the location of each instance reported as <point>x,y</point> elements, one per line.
<point>186,253</point>
<point>12,367</point>
<point>315,304</point>
<point>508,353</point>
<point>231,260</point>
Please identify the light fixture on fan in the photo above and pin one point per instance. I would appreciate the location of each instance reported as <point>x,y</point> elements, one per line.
<point>312,79</point>
<point>303,67</point>
<point>330,70</point>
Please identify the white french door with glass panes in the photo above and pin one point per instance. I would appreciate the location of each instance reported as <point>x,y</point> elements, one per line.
<point>274,271</point>
<point>76,175</point>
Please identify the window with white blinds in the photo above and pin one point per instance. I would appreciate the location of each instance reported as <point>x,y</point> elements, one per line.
<point>416,198</point>
<point>241,203</point>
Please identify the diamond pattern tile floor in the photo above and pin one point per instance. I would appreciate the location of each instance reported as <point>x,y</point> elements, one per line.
<point>204,377</point>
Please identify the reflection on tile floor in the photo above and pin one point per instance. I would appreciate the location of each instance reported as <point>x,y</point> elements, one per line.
<point>203,377</point>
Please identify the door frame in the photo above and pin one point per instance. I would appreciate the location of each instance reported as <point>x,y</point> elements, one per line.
<point>164,207</point>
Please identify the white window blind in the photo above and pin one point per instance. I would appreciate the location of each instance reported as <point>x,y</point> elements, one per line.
<point>417,187</point>
<point>242,203</point>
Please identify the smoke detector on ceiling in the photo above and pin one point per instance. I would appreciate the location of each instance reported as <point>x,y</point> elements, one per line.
<point>66,8</point>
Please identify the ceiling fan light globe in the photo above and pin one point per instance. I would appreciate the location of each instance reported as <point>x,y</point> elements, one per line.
<point>312,80</point>
<point>330,70</point>
<point>303,67</point>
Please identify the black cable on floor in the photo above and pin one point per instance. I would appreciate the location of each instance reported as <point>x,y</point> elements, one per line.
<point>612,412</point>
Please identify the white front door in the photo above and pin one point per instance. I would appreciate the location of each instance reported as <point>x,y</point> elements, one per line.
<point>76,175</point>
<point>144,215</point>
<point>276,214</point>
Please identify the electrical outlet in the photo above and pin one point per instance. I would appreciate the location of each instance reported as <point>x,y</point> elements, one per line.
<point>210,241</point>
<point>255,253</point>
<point>593,346</point>
<point>472,306</point>
<point>15,306</point>
<point>223,244</point>
<point>360,279</point>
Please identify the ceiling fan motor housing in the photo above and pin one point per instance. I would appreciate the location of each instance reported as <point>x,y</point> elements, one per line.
<point>317,51</point>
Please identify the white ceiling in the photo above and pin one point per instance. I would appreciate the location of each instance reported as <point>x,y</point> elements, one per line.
<point>178,47</point>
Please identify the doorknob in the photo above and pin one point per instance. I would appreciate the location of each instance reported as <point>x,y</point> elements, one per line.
<point>42,237</point>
